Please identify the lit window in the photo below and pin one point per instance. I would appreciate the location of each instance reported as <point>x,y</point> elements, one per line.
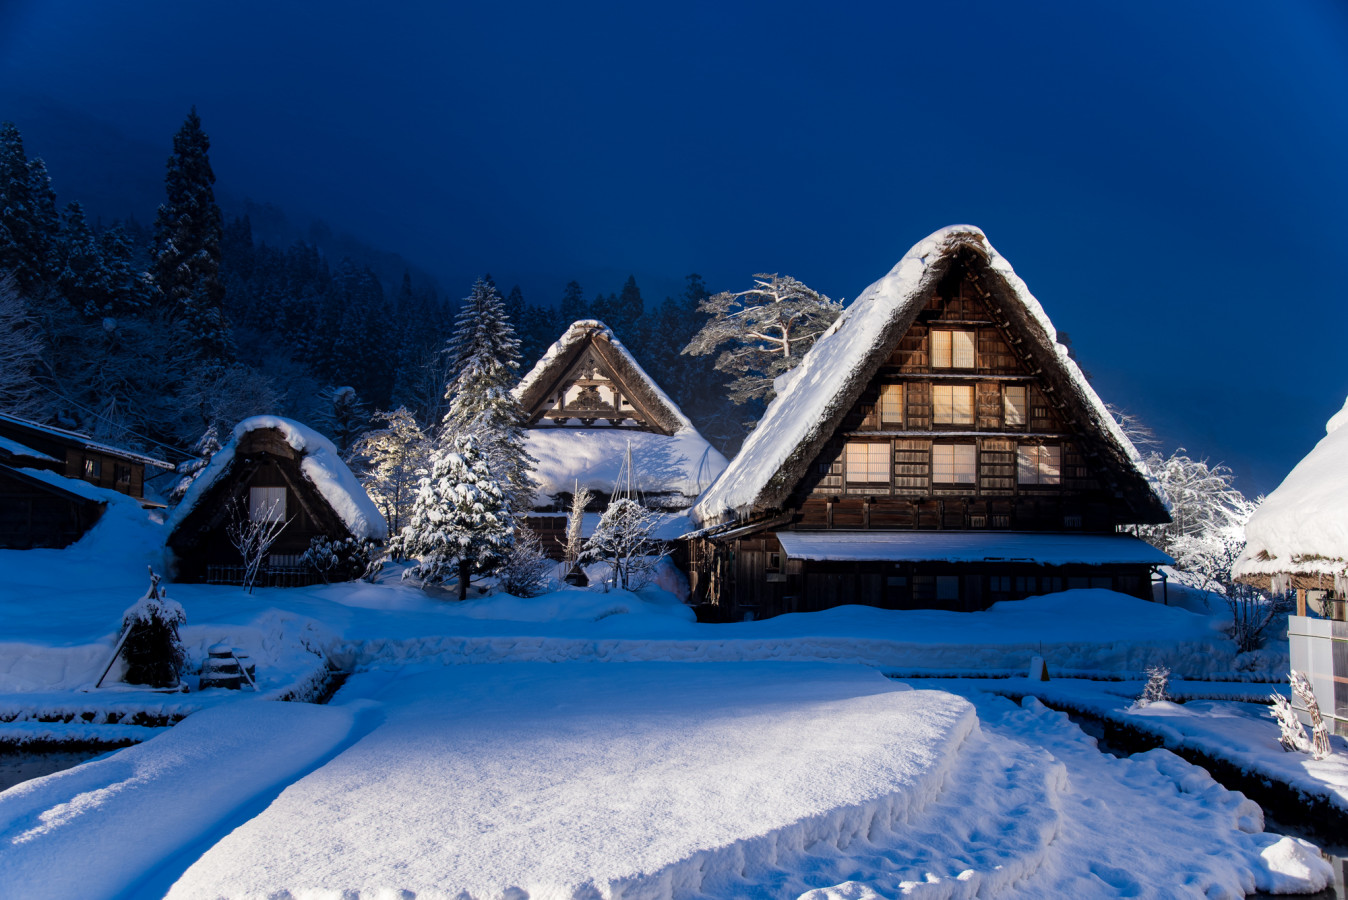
<point>953,463</point>
<point>1038,465</point>
<point>93,468</point>
<point>952,349</point>
<point>1015,404</point>
<point>868,463</point>
<point>952,404</point>
<point>267,504</point>
<point>891,404</point>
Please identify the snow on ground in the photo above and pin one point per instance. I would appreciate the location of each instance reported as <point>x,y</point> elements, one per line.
<point>640,780</point>
<point>102,828</point>
<point>1212,722</point>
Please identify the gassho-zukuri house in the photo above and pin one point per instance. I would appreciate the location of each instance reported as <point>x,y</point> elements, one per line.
<point>936,448</point>
<point>586,401</point>
<point>271,470</point>
<point>1298,539</point>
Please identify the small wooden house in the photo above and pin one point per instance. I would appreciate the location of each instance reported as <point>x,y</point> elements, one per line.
<point>272,469</point>
<point>588,400</point>
<point>937,448</point>
<point>1298,539</point>
<point>50,480</point>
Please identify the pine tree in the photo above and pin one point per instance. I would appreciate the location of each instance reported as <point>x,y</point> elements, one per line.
<point>82,276</point>
<point>484,353</point>
<point>343,416</point>
<point>573,307</point>
<point>20,352</point>
<point>20,242</point>
<point>188,231</point>
<point>461,520</point>
<point>770,327</point>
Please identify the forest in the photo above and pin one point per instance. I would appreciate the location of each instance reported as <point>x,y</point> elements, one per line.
<point>159,338</point>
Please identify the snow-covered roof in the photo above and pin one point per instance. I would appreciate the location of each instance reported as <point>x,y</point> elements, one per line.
<point>74,486</point>
<point>560,355</point>
<point>83,440</point>
<point>680,463</point>
<point>321,464</point>
<point>672,526</point>
<point>14,448</point>
<point>1301,529</point>
<point>816,396</point>
<point>971,547</point>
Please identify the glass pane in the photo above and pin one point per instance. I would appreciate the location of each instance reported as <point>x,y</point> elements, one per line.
<point>940,349</point>
<point>1015,405</point>
<point>966,463</point>
<point>1049,465</point>
<point>964,405</point>
<point>1027,465</point>
<point>962,352</point>
<point>868,462</point>
<point>891,404</point>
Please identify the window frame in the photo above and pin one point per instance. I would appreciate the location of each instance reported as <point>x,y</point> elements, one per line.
<point>895,394</point>
<point>954,407</point>
<point>945,357</point>
<point>1039,465</point>
<point>260,497</point>
<point>957,450</point>
<point>872,451</point>
<point>1024,410</point>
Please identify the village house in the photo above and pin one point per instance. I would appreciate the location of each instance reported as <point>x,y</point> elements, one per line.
<point>51,481</point>
<point>937,448</point>
<point>1298,540</point>
<point>271,470</point>
<point>587,401</point>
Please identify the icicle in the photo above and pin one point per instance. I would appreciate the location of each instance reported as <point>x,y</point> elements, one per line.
<point>1281,583</point>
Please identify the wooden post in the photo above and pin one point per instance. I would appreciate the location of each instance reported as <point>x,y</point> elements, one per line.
<point>1301,601</point>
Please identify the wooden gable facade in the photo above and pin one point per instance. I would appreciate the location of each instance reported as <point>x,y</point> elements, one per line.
<point>964,419</point>
<point>27,444</point>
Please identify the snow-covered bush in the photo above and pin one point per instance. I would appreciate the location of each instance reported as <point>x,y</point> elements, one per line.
<point>575,520</point>
<point>151,647</point>
<point>1158,677</point>
<point>525,573</point>
<point>461,522</point>
<point>344,559</point>
<point>1292,734</point>
<point>623,539</point>
<point>1301,686</point>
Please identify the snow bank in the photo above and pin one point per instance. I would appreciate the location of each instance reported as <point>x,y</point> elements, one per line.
<point>322,465</point>
<point>107,827</point>
<point>681,463</point>
<point>566,781</point>
<point>1302,527</point>
<point>808,398</point>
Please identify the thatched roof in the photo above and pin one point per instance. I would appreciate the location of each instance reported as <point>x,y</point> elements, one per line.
<point>650,401</point>
<point>1299,534</point>
<point>813,400</point>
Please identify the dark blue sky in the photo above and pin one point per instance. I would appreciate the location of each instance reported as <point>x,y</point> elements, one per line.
<point>1169,179</point>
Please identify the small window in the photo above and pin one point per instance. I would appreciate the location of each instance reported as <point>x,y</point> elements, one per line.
<point>978,521</point>
<point>267,504</point>
<point>1071,521</point>
<point>1038,464</point>
<point>1000,584</point>
<point>1014,404</point>
<point>952,349</point>
<point>953,463</point>
<point>123,474</point>
<point>924,588</point>
<point>953,404</point>
<point>868,463</point>
<point>93,468</point>
<point>891,404</point>
<point>947,587</point>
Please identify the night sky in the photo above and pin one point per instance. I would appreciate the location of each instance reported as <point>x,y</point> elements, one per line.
<point>1171,180</point>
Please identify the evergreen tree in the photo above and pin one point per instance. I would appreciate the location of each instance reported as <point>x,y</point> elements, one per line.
<point>484,353</point>
<point>392,461</point>
<point>20,243</point>
<point>20,352</point>
<point>573,307</point>
<point>129,288</point>
<point>188,232</point>
<point>514,306</point>
<point>82,277</point>
<point>461,520</point>
<point>46,221</point>
<point>629,317</point>
<point>343,416</point>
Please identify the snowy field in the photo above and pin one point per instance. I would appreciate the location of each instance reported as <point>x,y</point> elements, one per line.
<point>638,780</point>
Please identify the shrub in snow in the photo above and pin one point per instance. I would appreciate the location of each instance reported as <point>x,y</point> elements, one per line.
<point>461,522</point>
<point>623,539</point>
<point>1301,686</point>
<point>150,644</point>
<point>344,559</point>
<point>525,573</point>
<point>1292,734</point>
<point>1157,679</point>
<point>252,532</point>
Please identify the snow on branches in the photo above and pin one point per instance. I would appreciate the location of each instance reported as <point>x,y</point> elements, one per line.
<point>151,647</point>
<point>461,520</point>
<point>392,461</point>
<point>625,540</point>
<point>770,327</point>
<point>1158,678</point>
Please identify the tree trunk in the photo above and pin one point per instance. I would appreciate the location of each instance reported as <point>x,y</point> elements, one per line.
<point>465,569</point>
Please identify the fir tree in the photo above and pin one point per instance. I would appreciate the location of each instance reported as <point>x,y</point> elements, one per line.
<point>461,521</point>
<point>21,245</point>
<point>83,277</point>
<point>391,461</point>
<point>188,232</point>
<point>573,307</point>
<point>484,353</point>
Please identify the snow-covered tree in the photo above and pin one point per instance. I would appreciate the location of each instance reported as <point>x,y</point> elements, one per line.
<point>1292,734</point>
<point>1203,499</point>
<point>625,539</point>
<point>252,532</point>
<point>526,568</point>
<point>343,416</point>
<point>769,328</point>
<point>1158,677</point>
<point>575,522</point>
<point>20,352</point>
<point>485,358</point>
<point>206,447</point>
<point>461,520</point>
<point>392,461</point>
<point>188,230</point>
<point>150,645</point>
